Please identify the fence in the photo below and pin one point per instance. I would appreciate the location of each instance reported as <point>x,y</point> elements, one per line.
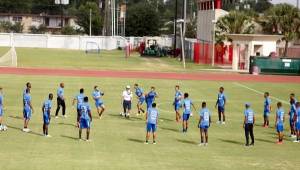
<point>60,41</point>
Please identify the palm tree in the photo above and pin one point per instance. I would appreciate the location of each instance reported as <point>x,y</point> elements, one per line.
<point>236,22</point>
<point>282,19</point>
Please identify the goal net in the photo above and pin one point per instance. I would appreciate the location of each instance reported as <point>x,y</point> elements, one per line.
<point>9,59</point>
<point>92,47</point>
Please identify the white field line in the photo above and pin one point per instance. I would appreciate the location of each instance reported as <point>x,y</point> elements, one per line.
<point>259,92</point>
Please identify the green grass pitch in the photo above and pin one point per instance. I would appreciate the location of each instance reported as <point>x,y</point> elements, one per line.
<point>117,143</point>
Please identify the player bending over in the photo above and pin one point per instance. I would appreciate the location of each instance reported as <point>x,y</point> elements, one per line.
<point>150,97</point>
<point>79,100</point>
<point>177,102</point>
<point>292,113</point>
<point>279,122</point>
<point>46,114</point>
<point>297,122</point>
<point>2,127</point>
<point>204,124</point>
<point>187,110</point>
<point>141,98</point>
<point>97,95</point>
<point>249,121</point>
<point>152,120</point>
<point>221,101</point>
<point>85,118</point>
<point>126,102</point>
<point>27,109</point>
<point>267,109</point>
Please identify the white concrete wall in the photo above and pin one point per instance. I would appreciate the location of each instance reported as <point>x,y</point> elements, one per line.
<point>60,41</point>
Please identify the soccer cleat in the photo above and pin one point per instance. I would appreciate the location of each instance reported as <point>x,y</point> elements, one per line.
<point>65,116</point>
<point>223,123</point>
<point>154,143</point>
<point>88,140</point>
<point>48,136</point>
<point>146,143</point>
<point>200,144</point>
<point>206,144</point>
<point>293,136</point>
<point>56,117</point>
<point>296,141</point>
<point>279,143</point>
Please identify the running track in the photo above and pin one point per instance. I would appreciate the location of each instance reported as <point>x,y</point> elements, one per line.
<point>151,75</point>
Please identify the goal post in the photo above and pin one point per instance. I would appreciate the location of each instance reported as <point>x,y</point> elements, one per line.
<point>92,47</point>
<point>9,59</point>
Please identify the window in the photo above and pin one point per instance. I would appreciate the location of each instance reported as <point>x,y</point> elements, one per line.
<point>17,19</point>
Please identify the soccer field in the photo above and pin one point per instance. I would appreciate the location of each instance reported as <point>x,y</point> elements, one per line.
<point>117,143</point>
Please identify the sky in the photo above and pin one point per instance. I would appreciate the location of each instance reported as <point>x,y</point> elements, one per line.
<point>294,2</point>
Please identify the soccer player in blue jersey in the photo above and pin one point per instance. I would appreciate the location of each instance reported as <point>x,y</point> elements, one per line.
<point>61,100</point>
<point>150,97</point>
<point>85,118</point>
<point>267,109</point>
<point>187,105</point>
<point>221,101</point>
<point>279,122</point>
<point>292,112</point>
<point>28,86</point>
<point>1,107</point>
<point>249,121</point>
<point>27,109</point>
<point>204,124</point>
<point>79,99</point>
<point>139,92</point>
<point>97,96</point>
<point>151,120</point>
<point>177,102</point>
<point>297,122</point>
<point>46,108</point>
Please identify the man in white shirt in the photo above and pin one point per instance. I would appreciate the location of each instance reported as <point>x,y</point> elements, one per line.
<point>126,100</point>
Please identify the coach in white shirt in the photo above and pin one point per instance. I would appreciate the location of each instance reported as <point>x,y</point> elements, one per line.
<point>127,98</point>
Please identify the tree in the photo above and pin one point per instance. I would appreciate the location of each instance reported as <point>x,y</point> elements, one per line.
<point>236,22</point>
<point>262,5</point>
<point>283,19</point>
<point>83,18</point>
<point>142,19</point>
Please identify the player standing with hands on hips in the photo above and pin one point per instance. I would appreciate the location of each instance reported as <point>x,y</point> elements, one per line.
<point>61,100</point>
<point>126,102</point>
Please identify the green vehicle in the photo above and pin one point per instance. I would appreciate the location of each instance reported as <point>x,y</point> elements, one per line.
<point>152,49</point>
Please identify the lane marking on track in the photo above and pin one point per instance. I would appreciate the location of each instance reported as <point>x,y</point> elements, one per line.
<point>259,92</point>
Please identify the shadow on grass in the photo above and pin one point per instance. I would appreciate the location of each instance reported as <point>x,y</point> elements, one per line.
<point>135,140</point>
<point>16,117</point>
<point>232,141</point>
<point>187,141</point>
<point>129,119</point>
<point>264,140</point>
<point>166,119</point>
<point>67,124</point>
<point>69,137</point>
<point>169,129</point>
<point>260,125</point>
<point>20,129</point>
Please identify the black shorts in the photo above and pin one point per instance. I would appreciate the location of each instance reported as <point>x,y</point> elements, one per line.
<point>127,104</point>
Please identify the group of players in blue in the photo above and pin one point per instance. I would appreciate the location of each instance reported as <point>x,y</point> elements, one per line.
<point>181,101</point>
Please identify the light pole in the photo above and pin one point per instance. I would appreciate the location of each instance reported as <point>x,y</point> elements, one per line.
<point>180,22</point>
<point>175,28</point>
<point>90,22</point>
<point>213,43</point>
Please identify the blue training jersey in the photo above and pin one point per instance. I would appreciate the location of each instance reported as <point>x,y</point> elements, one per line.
<point>293,109</point>
<point>204,116</point>
<point>152,116</point>
<point>1,100</point>
<point>79,99</point>
<point>151,97</point>
<point>47,107</point>
<point>177,98</point>
<point>27,101</point>
<point>221,100</point>
<point>298,115</point>
<point>280,115</point>
<point>187,104</point>
<point>139,92</point>
<point>267,104</point>
<point>60,92</point>
<point>85,109</point>
<point>249,114</point>
<point>97,94</point>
